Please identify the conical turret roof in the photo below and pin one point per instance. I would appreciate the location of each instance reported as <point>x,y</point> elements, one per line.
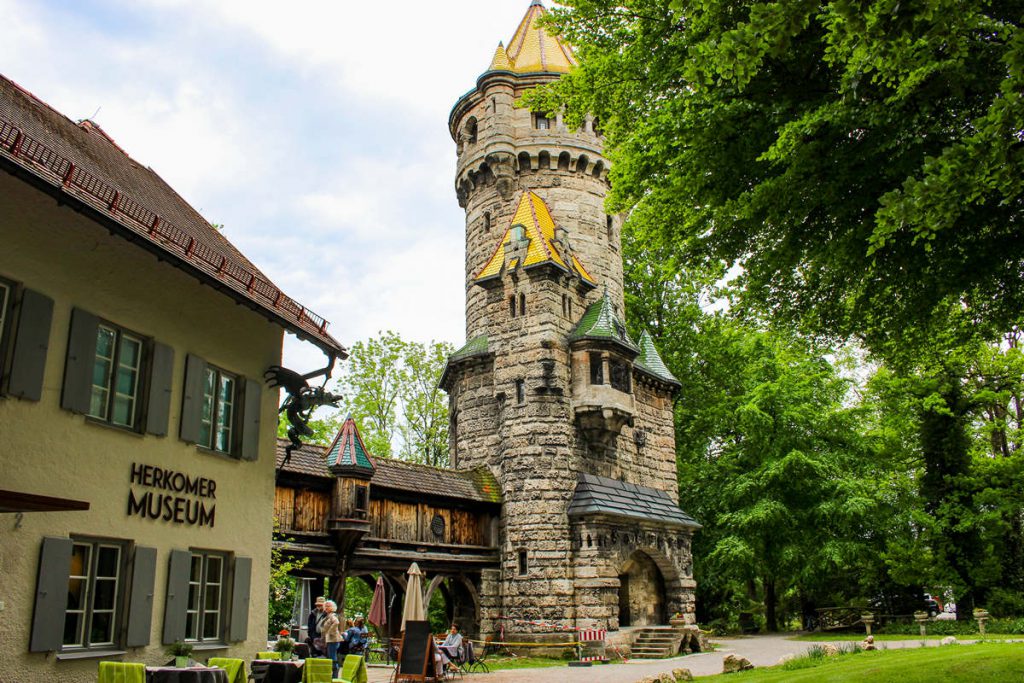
<point>650,360</point>
<point>599,323</point>
<point>539,233</point>
<point>347,454</point>
<point>500,60</point>
<point>533,50</point>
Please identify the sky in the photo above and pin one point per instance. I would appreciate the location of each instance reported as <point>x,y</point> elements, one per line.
<point>315,132</point>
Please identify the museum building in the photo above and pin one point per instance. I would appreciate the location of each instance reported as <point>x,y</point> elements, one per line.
<point>137,437</point>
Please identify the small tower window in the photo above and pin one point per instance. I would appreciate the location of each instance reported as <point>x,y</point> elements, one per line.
<point>541,122</point>
<point>487,221</point>
<point>570,308</point>
<point>512,306</point>
<point>565,306</point>
<point>609,226</point>
<point>596,369</point>
<point>524,565</point>
<point>620,379</point>
<point>360,498</point>
<point>520,391</point>
<point>522,304</point>
<point>471,130</point>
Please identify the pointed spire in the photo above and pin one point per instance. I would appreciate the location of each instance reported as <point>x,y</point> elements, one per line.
<point>347,455</point>
<point>650,361</point>
<point>500,60</point>
<point>533,50</point>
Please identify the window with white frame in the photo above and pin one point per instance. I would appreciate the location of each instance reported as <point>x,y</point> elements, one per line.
<point>216,429</point>
<point>117,368</point>
<point>204,616</point>
<point>95,586</point>
<point>6,291</point>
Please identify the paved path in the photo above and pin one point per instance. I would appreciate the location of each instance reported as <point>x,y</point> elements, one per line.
<point>762,651</point>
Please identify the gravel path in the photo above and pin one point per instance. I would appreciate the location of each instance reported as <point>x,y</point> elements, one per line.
<point>763,650</point>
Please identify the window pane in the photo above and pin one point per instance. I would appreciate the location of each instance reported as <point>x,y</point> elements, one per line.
<point>191,624</point>
<point>212,603</point>
<point>123,411</point>
<point>102,631</point>
<point>107,561</point>
<point>196,575</point>
<point>225,413</point>
<point>104,595</point>
<point>206,417</point>
<point>213,569</point>
<point>5,295</point>
<point>210,623</point>
<point>76,594</point>
<point>131,352</point>
<point>73,628</point>
<point>105,343</point>
<point>80,555</point>
<point>102,369</point>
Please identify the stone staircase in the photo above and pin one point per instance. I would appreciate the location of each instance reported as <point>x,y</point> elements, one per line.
<point>656,643</point>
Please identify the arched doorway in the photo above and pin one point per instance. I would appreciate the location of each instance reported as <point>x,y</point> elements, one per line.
<point>453,599</point>
<point>641,592</point>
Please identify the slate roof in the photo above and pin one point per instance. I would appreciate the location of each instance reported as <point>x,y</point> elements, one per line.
<point>597,495</point>
<point>477,485</point>
<point>80,161</point>
<point>533,50</point>
<point>347,449</point>
<point>650,361</point>
<point>539,229</point>
<point>477,346</point>
<point>600,323</point>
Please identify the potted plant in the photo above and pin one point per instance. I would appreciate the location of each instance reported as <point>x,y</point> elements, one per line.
<point>677,619</point>
<point>181,652</point>
<point>285,644</point>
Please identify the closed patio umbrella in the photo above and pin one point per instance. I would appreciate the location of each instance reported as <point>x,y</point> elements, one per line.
<point>413,608</point>
<point>378,612</point>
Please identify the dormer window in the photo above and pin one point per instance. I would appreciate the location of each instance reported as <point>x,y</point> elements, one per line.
<point>518,233</point>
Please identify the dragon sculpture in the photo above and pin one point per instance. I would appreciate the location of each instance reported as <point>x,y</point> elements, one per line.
<point>302,400</point>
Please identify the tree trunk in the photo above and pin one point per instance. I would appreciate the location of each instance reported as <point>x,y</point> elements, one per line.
<point>770,604</point>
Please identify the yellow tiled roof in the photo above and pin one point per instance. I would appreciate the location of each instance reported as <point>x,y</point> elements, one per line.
<point>532,49</point>
<point>500,60</point>
<point>539,229</point>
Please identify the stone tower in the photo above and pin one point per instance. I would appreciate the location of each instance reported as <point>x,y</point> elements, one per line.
<point>572,416</point>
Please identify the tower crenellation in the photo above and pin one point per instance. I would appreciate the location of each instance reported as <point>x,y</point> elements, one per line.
<point>572,416</point>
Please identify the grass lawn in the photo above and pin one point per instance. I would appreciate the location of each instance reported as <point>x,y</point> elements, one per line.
<point>496,663</point>
<point>985,663</point>
<point>825,637</point>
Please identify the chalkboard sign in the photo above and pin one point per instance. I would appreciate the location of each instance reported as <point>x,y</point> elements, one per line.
<point>416,658</point>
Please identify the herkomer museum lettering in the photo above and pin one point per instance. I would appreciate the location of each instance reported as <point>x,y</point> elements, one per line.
<point>167,506</point>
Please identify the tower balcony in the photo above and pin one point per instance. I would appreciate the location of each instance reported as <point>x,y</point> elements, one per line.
<point>602,410</point>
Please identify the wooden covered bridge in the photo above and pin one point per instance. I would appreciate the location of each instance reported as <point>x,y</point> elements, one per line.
<point>353,515</point>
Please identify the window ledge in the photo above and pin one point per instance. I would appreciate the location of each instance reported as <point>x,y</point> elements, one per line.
<point>217,454</point>
<point>204,647</point>
<point>90,654</point>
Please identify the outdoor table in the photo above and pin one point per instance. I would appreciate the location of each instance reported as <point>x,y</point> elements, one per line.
<point>191,674</point>
<point>279,672</point>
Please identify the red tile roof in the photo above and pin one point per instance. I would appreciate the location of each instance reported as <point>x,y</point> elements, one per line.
<point>83,162</point>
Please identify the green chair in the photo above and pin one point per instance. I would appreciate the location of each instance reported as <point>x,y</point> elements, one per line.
<point>122,672</point>
<point>268,655</point>
<point>235,668</point>
<point>353,670</point>
<point>318,671</point>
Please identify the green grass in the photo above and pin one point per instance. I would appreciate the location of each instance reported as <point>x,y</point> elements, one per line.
<point>984,663</point>
<point>498,663</point>
<point>879,637</point>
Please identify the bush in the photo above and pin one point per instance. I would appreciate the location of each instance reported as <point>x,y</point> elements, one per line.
<point>956,628</point>
<point>1005,603</point>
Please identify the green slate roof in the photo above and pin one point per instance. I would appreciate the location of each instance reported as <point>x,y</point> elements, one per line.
<point>477,346</point>
<point>596,495</point>
<point>347,450</point>
<point>650,361</point>
<point>599,323</point>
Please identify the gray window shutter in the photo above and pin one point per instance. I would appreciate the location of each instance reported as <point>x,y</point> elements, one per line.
<point>80,360</point>
<point>251,420</point>
<point>192,398</point>
<point>177,596</point>
<point>51,595</point>
<point>240,600</point>
<point>30,345</point>
<point>140,602</point>
<point>160,377</point>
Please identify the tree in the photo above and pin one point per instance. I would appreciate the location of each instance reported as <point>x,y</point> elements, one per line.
<point>861,161</point>
<point>390,387</point>
<point>282,587</point>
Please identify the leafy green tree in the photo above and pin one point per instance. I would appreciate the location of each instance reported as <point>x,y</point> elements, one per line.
<point>861,160</point>
<point>324,429</point>
<point>424,427</point>
<point>282,588</point>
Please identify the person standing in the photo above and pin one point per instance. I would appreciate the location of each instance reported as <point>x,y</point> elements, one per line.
<point>330,629</point>
<point>313,621</point>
